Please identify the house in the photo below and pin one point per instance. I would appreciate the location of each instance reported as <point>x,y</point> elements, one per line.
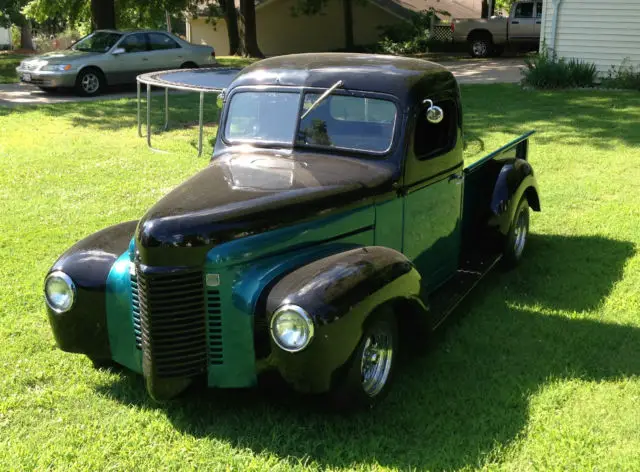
<point>280,32</point>
<point>603,33</point>
<point>5,38</point>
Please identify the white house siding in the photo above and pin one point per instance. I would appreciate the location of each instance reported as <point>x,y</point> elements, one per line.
<point>601,32</point>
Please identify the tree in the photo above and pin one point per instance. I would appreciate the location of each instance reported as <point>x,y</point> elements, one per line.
<point>11,13</point>
<point>103,14</point>
<point>248,16</point>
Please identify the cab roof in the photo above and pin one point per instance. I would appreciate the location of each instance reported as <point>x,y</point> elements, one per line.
<point>405,78</point>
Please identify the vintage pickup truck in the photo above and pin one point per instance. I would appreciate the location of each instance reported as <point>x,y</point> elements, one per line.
<point>335,222</point>
<point>490,36</point>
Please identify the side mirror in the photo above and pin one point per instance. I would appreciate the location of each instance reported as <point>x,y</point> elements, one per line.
<point>118,51</point>
<point>435,114</point>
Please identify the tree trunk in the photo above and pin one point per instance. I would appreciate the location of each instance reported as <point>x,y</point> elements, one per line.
<point>248,12</point>
<point>347,6</point>
<point>231,18</point>
<point>26,41</point>
<point>103,14</point>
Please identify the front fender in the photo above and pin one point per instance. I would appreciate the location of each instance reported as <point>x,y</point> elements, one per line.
<point>339,292</point>
<point>83,329</point>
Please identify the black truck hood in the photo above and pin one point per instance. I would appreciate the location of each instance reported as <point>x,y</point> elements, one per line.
<point>247,192</point>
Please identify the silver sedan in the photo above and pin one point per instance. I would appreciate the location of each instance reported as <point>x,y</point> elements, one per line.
<point>112,57</point>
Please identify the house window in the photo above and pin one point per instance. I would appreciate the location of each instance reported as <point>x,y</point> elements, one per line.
<point>434,139</point>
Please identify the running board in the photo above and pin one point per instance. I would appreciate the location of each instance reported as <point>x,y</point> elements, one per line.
<point>448,296</point>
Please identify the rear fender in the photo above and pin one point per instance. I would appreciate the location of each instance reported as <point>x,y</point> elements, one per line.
<point>339,293</point>
<point>515,180</point>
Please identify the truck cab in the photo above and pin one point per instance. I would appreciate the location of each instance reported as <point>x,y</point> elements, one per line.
<point>490,36</point>
<point>334,222</point>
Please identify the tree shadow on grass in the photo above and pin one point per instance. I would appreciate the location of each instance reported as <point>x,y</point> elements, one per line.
<point>570,116</point>
<point>115,114</point>
<point>451,406</point>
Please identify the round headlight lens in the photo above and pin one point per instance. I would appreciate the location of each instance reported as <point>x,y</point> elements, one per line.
<point>291,328</point>
<point>59,292</point>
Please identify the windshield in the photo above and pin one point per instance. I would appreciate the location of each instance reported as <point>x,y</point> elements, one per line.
<point>97,42</point>
<point>339,121</point>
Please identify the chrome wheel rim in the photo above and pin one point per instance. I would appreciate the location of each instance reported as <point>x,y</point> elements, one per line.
<point>377,356</point>
<point>90,83</point>
<point>479,48</point>
<point>520,232</point>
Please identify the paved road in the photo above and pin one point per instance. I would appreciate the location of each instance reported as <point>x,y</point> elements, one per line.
<point>467,72</point>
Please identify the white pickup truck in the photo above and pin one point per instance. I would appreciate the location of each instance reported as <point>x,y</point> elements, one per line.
<point>489,36</point>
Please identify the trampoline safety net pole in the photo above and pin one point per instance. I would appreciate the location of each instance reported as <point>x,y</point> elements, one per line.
<point>149,116</point>
<point>139,98</point>
<point>201,123</point>
<point>166,108</point>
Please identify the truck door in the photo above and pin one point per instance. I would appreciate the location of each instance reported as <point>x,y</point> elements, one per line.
<point>433,194</point>
<point>522,22</point>
<point>538,25</point>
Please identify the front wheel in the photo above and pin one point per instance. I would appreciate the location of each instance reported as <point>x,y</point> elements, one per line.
<point>516,239</point>
<point>370,371</point>
<point>89,82</point>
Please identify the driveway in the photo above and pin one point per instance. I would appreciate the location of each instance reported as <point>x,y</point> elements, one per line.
<point>481,71</point>
<point>486,71</point>
<point>23,94</point>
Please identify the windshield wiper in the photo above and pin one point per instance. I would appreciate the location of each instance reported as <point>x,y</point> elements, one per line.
<point>339,83</point>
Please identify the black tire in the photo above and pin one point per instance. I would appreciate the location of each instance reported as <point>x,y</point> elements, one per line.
<point>189,65</point>
<point>90,82</point>
<point>480,46</point>
<point>516,239</point>
<point>354,391</point>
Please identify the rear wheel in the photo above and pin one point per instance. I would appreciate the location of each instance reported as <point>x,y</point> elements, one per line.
<point>516,239</point>
<point>89,82</point>
<point>370,371</point>
<point>480,46</point>
<point>189,65</point>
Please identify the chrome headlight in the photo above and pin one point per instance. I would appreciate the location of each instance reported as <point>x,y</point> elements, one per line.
<point>56,67</point>
<point>59,291</point>
<point>291,328</point>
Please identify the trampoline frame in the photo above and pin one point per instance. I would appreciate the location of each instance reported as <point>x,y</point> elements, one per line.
<point>150,79</point>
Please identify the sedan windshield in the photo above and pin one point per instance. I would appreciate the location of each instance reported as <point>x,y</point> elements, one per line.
<point>97,42</point>
<point>339,121</point>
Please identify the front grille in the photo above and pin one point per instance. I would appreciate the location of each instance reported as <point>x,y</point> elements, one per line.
<point>172,320</point>
<point>135,307</point>
<point>214,327</point>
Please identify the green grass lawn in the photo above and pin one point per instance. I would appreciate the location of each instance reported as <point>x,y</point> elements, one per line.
<point>540,369</point>
<point>8,63</point>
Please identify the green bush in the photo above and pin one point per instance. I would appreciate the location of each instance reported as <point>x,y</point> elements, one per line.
<point>623,77</point>
<point>547,71</point>
<point>401,39</point>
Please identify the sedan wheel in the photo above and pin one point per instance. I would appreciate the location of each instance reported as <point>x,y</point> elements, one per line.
<point>89,82</point>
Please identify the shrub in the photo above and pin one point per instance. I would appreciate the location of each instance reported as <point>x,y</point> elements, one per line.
<point>547,71</point>
<point>414,38</point>
<point>623,77</point>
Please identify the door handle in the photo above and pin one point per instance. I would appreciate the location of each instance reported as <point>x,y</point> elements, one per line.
<point>145,58</point>
<point>538,22</point>
<point>515,22</point>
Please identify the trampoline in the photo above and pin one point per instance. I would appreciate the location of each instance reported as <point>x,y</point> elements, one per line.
<point>209,80</point>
